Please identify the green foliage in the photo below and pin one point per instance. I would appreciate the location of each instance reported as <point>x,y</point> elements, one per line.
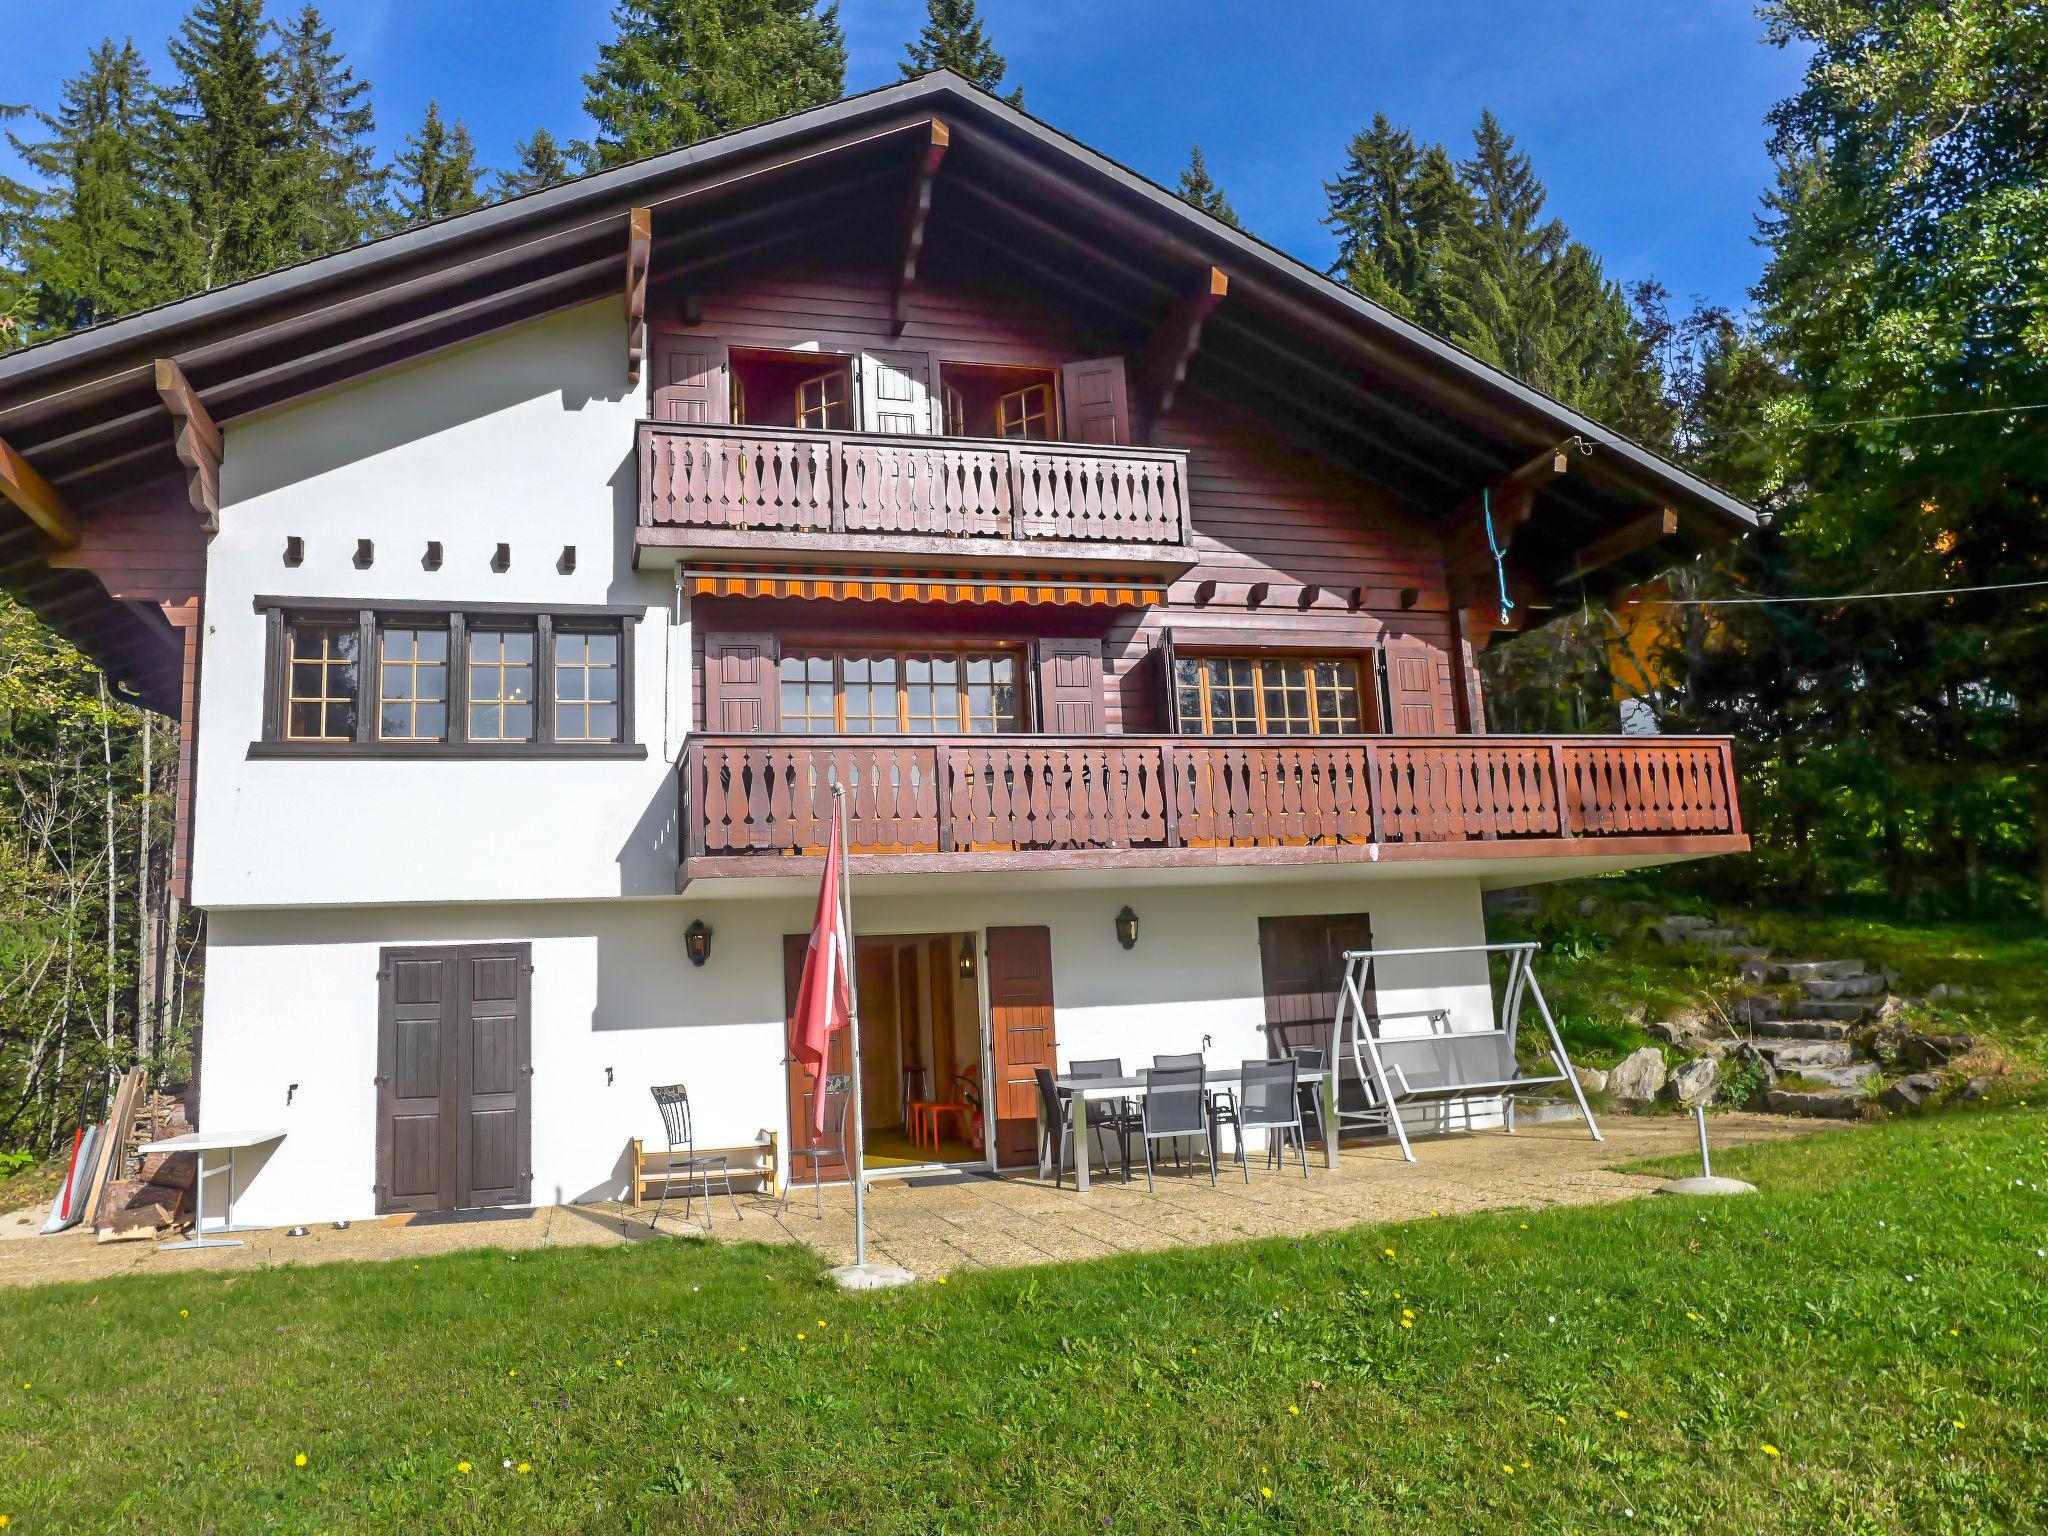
<point>1395,208</point>
<point>436,177</point>
<point>1198,187</point>
<point>539,164</point>
<point>681,70</point>
<point>953,38</point>
<point>333,191</point>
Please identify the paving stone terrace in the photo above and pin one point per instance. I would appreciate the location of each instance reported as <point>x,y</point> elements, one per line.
<point>937,1229</point>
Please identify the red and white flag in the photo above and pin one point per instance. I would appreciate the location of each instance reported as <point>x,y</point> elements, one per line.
<point>824,1002</point>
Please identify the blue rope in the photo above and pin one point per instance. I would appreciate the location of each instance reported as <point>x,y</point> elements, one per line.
<point>1500,569</point>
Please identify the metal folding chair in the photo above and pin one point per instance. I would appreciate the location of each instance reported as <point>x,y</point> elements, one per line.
<point>823,1149</point>
<point>1177,1108</point>
<point>674,1103</point>
<point>1271,1103</point>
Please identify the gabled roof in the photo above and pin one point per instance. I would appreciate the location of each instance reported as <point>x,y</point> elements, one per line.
<point>1417,412</point>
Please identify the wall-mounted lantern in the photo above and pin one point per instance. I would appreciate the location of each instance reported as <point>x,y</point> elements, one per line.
<point>697,941</point>
<point>1127,928</point>
<point>967,958</point>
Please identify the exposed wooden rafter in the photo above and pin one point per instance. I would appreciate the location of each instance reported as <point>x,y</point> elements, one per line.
<point>1629,539</point>
<point>1509,501</point>
<point>639,248</point>
<point>916,220</point>
<point>28,490</point>
<point>198,441</point>
<point>1163,365</point>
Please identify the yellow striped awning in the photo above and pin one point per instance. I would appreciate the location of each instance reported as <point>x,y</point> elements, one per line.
<point>888,586</point>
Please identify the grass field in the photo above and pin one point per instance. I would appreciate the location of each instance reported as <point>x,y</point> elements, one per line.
<point>1859,1349</point>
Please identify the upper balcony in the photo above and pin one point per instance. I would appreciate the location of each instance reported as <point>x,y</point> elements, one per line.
<point>808,497</point>
<point>761,805</point>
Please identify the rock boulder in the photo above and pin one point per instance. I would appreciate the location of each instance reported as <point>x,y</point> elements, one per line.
<point>1638,1076</point>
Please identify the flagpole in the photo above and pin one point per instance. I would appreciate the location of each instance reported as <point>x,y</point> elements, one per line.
<point>859,1161</point>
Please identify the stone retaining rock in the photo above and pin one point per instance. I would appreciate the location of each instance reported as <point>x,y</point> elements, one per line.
<point>1695,1081</point>
<point>1638,1076</point>
<point>1909,1093</point>
<point>1592,1079</point>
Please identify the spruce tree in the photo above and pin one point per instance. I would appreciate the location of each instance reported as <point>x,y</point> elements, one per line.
<point>953,38</point>
<point>333,189</point>
<point>436,177</point>
<point>1198,187</point>
<point>225,140</point>
<point>540,164</point>
<point>87,247</point>
<point>17,219</point>
<point>681,70</point>
<point>1395,208</point>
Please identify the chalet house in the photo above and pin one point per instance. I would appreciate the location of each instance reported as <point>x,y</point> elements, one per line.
<point>521,583</point>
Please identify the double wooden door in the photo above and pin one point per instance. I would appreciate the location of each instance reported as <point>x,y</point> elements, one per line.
<point>1302,961</point>
<point>454,1077</point>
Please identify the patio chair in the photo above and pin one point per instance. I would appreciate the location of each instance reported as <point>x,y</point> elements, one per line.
<point>1222,1101</point>
<point>1272,1103</point>
<point>1057,1115</point>
<point>674,1103</point>
<point>1119,1116</point>
<point>832,1144</point>
<point>1177,1109</point>
<point>1311,1060</point>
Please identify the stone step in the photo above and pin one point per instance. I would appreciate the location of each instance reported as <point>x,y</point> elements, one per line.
<point>1824,1104</point>
<point>1853,1075</point>
<point>1742,954</point>
<point>1799,1029</point>
<point>1665,933</point>
<point>1802,1055</point>
<point>1814,970</point>
<point>1849,1009</point>
<point>1834,989</point>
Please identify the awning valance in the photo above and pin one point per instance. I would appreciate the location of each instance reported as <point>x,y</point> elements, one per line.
<point>888,586</point>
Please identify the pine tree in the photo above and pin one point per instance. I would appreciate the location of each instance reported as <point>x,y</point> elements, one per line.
<point>225,139</point>
<point>541,164</point>
<point>681,70</point>
<point>88,246</point>
<point>1198,187</point>
<point>1395,208</point>
<point>953,39</point>
<point>333,193</point>
<point>436,177</point>
<point>17,219</point>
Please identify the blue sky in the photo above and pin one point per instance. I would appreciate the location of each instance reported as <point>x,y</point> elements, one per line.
<point>1645,117</point>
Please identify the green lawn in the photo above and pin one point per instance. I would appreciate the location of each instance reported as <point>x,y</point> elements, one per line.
<point>1874,1318</point>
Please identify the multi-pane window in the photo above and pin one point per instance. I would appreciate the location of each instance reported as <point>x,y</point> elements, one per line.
<point>956,411</point>
<point>1268,695</point>
<point>821,401</point>
<point>412,684</point>
<point>321,682</point>
<point>586,687</point>
<point>501,684</point>
<point>922,693</point>
<point>1025,412</point>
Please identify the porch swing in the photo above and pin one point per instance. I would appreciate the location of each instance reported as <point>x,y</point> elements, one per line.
<point>1440,1066</point>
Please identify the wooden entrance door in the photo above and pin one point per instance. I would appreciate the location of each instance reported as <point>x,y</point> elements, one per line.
<point>1020,1011</point>
<point>1302,960</point>
<point>454,1077</point>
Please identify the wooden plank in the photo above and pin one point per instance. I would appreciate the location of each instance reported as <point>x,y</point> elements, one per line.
<point>198,441</point>
<point>639,249</point>
<point>912,227</point>
<point>28,490</point>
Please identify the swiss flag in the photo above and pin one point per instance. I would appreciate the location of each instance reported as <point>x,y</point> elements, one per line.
<point>824,1002</point>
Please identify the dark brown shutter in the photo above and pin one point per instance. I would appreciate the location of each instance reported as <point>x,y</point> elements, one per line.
<point>1020,1011</point>
<point>1169,679</point>
<point>690,381</point>
<point>496,1070</point>
<point>1302,962</point>
<point>1069,686</point>
<point>416,1012</point>
<point>740,692</point>
<point>1412,689</point>
<point>1097,404</point>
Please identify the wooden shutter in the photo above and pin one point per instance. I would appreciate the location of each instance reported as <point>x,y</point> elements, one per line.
<point>1302,962</point>
<point>691,383</point>
<point>1069,686</point>
<point>1412,689</point>
<point>1020,1009</point>
<point>740,692</point>
<point>1097,404</point>
<point>1169,670</point>
<point>896,392</point>
<point>416,1011</point>
<point>494,1077</point>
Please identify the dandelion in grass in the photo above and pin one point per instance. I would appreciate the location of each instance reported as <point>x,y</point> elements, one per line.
<point>1295,1409</point>
<point>463,1467</point>
<point>514,1371</point>
<point>1771,1450</point>
<point>183,1312</point>
<point>1265,1493</point>
<point>1389,1252</point>
<point>525,1467</point>
<point>299,1460</point>
<point>801,1337</point>
<point>1958,1423</point>
<point>1621,1413</point>
<point>1407,1322</point>
<point>1560,1418</point>
<point>1692,1317</point>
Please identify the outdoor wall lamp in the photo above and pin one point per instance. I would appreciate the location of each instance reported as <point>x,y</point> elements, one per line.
<point>1127,928</point>
<point>697,941</point>
<point>967,958</point>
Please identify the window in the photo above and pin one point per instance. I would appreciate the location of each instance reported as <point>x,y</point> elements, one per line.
<point>919,693</point>
<point>412,686</point>
<point>821,401</point>
<point>320,698</point>
<point>1000,400</point>
<point>1267,695</point>
<point>956,411</point>
<point>412,679</point>
<point>1026,412</point>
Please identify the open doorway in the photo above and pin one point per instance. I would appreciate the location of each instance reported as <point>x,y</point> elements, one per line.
<point>922,1057</point>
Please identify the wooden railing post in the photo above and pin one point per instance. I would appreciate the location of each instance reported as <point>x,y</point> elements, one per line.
<point>1015,456</point>
<point>835,491</point>
<point>1169,792</point>
<point>942,793</point>
<point>1728,787</point>
<point>1372,791</point>
<point>1557,773</point>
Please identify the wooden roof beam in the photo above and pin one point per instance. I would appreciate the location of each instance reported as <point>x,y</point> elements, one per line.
<point>1163,365</point>
<point>1630,538</point>
<point>639,250</point>
<point>198,441</point>
<point>915,222</point>
<point>28,490</point>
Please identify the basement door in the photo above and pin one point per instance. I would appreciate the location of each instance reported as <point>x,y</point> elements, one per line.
<point>454,1077</point>
<point>1020,1014</point>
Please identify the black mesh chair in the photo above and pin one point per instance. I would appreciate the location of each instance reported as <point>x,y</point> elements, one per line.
<point>1057,1115</point>
<point>832,1144</point>
<point>1313,1061</point>
<point>695,1171</point>
<point>1222,1101</point>
<point>1119,1117</point>
<point>1271,1103</point>
<point>1177,1109</point>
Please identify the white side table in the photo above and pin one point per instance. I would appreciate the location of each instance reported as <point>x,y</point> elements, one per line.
<point>200,1143</point>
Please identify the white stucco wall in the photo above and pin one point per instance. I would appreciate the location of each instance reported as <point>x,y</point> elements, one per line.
<point>525,439</point>
<point>292,998</point>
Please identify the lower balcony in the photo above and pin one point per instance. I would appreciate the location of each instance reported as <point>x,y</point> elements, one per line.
<point>761,805</point>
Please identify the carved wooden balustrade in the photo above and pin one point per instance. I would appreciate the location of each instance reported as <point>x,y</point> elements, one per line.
<point>1067,800</point>
<point>776,480</point>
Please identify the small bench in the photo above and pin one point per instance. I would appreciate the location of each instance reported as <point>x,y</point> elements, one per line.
<point>759,1160</point>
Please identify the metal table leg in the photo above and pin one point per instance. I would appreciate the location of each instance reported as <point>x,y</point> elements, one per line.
<point>199,1239</point>
<point>1081,1157</point>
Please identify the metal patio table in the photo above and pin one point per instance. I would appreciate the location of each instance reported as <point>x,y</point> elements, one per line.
<point>1086,1090</point>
